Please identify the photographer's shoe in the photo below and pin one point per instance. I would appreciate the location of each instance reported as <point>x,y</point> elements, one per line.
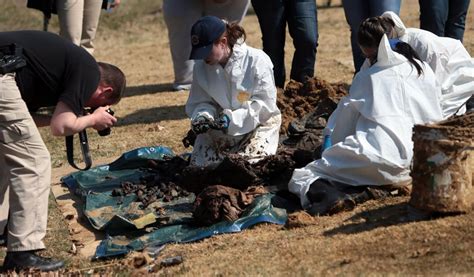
<point>22,260</point>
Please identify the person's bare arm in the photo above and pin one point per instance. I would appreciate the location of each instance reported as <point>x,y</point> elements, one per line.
<point>64,122</point>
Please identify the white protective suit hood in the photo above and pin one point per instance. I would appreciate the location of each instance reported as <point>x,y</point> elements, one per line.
<point>399,29</point>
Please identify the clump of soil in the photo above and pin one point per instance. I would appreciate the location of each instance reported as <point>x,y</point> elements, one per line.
<point>299,219</point>
<point>315,95</point>
<point>160,184</point>
<point>221,203</point>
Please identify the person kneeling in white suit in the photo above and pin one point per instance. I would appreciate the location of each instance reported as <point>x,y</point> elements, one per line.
<point>371,129</point>
<point>232,102</point>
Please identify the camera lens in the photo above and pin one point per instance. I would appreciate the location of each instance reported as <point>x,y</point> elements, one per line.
<point>104,132</point>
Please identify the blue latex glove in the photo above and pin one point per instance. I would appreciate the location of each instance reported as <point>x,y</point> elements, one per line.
<point>326,143</point>
<point>201,124</point>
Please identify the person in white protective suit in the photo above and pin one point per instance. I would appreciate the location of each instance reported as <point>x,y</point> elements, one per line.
<point>232,101</point>
<point>371,129</point>
<point>447,57</point>
<point>179,16</point>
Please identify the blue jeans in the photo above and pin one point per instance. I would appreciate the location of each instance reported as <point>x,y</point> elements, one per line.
<point>445,18</point>
<point>302,19</point>
<point>356,12</point>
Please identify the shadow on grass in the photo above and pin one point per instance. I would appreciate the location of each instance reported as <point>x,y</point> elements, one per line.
<point>381,217</point>
<point>147,89</point>
<point>153,115</point>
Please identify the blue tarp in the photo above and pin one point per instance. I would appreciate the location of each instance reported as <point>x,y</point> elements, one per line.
<point>135,227</point>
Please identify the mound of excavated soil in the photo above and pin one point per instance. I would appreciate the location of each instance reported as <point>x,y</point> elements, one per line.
<point>307,105</point>
<point>315,95</point>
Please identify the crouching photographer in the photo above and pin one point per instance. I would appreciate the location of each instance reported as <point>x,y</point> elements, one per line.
<point>55,73</point>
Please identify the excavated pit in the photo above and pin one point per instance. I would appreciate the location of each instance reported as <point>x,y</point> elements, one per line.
<point>305,109</point>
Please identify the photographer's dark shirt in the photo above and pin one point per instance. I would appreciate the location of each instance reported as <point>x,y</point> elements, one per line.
<point>56,70</point>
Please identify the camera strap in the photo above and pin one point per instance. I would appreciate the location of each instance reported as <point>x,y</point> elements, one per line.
<point>84,148</point>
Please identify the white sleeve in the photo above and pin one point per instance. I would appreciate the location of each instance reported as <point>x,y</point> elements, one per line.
<point>199,102</point>
<point>262,103</point>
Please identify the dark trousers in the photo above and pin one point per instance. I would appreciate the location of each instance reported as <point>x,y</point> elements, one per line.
<point>302,19</point>
<point>356,12</point>
<point>445,18</point>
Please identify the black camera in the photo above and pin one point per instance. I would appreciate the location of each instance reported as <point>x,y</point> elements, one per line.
<point>106,131</point>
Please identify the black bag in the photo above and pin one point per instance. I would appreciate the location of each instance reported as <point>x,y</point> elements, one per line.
<point>11,58</point>
<point>48,7</point>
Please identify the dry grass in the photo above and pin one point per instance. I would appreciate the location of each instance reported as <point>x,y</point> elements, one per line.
<point>369,240</point>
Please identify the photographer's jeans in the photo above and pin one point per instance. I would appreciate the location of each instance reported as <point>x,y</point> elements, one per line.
<point>356,12</point>
<point>445,18</point>
<point>302,19</point>
<point>25,168</point>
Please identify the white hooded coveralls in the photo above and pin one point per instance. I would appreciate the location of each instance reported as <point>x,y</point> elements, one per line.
<point>449,60</point>
<point>245,91</point>
<point>372,127</point>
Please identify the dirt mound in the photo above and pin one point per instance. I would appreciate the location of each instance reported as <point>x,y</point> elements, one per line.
<point>306,106</point>
<point>315,95</point>
<point>160,184</point>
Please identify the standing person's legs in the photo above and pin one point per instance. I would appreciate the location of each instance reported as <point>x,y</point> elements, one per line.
<point>180,15</point>
<point>356,11</point>
<point>272,19</point>
<point>433,15</point>
<point>456,19</point>
<point>303,27</point>
<point>70,14</point>
<point>4,199</point>
<point>92,10</point>
<point>378,7</point>
<point>232,10</point>
<point>26,161</point>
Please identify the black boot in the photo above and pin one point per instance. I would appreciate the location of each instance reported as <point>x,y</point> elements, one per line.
<point>29,260</point>
<point>326,199</point>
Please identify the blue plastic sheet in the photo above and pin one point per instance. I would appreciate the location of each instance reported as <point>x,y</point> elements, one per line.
<point>261,210</point>
<point>127,220</point>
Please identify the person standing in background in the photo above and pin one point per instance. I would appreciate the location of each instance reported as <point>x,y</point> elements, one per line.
<point>180,15</point>
<point>444,18</point>
<point>302,19</point>
<point>356,12</point>
<point>78,20</point>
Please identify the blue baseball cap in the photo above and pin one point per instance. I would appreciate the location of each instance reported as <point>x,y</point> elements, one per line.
<point>203,34</point>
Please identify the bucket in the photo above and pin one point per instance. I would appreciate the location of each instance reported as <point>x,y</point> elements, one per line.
<point>443,164</point>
